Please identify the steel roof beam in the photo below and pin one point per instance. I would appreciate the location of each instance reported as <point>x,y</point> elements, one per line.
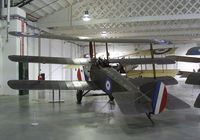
<point>39,6</point>
<point>23,3</point>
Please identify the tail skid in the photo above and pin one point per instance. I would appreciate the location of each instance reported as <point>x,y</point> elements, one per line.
<point>149,115</point>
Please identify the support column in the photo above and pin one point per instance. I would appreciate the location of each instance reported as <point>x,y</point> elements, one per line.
<point>152,57</point>
<point>23,75</point>
<point>39,54</point>
<point>107,53</point>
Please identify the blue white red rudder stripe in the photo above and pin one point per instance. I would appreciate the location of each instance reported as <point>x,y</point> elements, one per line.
<point>159,98</point>
<point>81,75</point>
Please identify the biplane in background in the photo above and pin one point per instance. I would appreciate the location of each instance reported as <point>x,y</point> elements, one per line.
<point>193,78</point>
<point>194,51</point>
<point>144,71</point>
<point>189,59</point>
<point>142,94</point>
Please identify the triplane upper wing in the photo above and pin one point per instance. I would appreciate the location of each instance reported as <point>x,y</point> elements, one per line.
<point>100,40</point>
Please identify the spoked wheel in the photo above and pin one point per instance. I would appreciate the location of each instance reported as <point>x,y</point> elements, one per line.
<point>79,96</point>
<point>111,101</point>
<point>111,97</point>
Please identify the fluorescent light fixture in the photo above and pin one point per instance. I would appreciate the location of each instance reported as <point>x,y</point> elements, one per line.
<point>104,34</point>
<point>86,16</point>
<point>83,37</point>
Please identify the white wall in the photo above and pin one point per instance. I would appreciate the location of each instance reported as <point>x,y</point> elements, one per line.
<point>1,62</point>
<point>53,48</point>
<point>9,70</point>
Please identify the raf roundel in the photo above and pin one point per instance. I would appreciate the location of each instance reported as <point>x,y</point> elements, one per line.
<point>108,86</point>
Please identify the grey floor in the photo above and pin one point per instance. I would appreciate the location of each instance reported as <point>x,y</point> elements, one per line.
<point>95,119</point>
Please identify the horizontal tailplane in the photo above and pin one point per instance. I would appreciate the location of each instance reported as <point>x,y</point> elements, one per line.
<point>197,102</point>
<point>193,78</point>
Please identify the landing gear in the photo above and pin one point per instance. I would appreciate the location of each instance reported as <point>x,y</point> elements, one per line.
<point>111,99</point>
<point>81,93</point>
<point>79,96</point>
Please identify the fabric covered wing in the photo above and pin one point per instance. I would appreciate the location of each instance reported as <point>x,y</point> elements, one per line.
<point>103,40</point>
<point>184,58</point>
<point>143,61</point>
<point>167,80</point>
<point>49,60</point>
<point>197,102</point>
<point>45,85</point>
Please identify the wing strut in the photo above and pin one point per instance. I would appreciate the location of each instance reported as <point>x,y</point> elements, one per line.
<point>94,50</point>
<point>107,53</point>
<point>149,117</point>
<point>152,57</point>
<point>91,49</point>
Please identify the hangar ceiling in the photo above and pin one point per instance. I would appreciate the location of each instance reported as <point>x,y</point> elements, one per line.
<point>169,19</point>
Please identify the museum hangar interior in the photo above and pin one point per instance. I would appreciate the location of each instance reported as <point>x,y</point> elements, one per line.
<point>99,69</point>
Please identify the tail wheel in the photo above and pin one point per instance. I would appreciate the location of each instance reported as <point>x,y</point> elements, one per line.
<point>79,96</point>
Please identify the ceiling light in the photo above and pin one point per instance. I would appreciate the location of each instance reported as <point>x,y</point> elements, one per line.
<point>104,34</point>
<point>83,37</point>
<point>86,16</point>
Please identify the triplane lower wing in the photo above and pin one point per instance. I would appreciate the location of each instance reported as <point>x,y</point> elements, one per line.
<point>51,85</point>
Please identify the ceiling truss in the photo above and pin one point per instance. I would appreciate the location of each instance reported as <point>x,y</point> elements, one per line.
<point>121,18</point>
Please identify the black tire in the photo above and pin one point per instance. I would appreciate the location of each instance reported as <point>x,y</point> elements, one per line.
<point>111,97</point>
<point>79,96</point>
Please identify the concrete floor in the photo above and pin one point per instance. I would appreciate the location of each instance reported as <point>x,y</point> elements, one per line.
<point>95,119</point>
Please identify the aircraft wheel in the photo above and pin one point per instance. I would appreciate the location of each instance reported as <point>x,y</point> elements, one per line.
<point>111,97</point>
<point>79,96</point>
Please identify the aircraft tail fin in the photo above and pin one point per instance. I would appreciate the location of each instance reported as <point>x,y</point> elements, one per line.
<point>197,102</point>
<point>79,77</point>
<point>159,98</point>
<point>81,74</point>
<point>157,92</point>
